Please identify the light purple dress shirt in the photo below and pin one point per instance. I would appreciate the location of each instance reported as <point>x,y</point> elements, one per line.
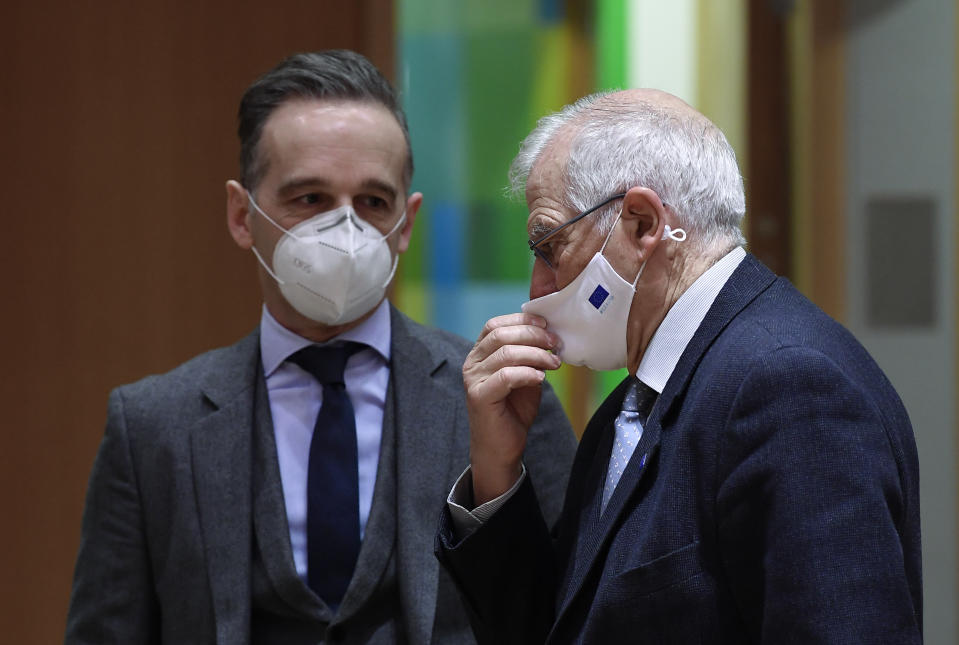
<point>295,399</point>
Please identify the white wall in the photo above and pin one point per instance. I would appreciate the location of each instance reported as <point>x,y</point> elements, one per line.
<point>900,124</point>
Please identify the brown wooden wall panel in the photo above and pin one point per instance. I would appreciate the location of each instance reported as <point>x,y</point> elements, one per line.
<point>118,134</point>
<point>768,174</point>
<point>827,170</point>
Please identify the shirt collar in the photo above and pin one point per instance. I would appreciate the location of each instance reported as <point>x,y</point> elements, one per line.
<point>277,342</point>
<point>682,320</point>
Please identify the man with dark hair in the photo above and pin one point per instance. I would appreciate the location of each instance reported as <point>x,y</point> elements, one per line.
<point>284,489</point>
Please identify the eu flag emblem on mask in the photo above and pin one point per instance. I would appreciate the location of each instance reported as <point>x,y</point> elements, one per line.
<point>599,296</point>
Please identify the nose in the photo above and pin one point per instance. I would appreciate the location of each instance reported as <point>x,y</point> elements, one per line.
<point>543,280</point>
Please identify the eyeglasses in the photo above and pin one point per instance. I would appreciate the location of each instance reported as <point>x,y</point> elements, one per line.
<point>534,245</point>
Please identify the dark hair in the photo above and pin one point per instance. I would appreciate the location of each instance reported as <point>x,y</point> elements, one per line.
<point>335,74</point>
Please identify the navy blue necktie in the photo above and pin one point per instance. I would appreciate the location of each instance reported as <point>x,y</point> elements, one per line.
<point>332,507</point>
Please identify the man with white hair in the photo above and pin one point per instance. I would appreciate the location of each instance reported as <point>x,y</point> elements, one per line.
<point>753,479</point>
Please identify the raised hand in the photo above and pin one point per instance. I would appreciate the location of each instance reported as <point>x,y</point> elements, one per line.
<point>503,376</point>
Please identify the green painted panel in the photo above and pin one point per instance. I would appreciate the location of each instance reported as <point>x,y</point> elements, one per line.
<point>428,16</point>
<point>611,71</point>
<point>500,67</point>
<point>605,383</point>
<point>412,266</point>
<point>473,16</point>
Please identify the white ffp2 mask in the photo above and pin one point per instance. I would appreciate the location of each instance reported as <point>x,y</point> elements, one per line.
<point>589,315</point>
<point>333,267</point>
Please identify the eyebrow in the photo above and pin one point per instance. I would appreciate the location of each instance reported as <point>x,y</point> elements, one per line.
<point>295,185</point>
<point>382,186</point>
<point>538,229</point>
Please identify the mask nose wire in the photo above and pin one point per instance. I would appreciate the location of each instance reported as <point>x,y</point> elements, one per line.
<point>351,214</point>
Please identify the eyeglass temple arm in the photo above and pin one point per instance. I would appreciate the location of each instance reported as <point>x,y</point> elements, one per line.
<point>534,244</point>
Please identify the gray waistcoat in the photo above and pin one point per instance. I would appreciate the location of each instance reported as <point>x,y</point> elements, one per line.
<point>284,609</point>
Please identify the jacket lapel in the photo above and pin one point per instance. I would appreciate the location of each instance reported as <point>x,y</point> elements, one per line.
<point>426,409</point>
<point>221,462</point>
<point>270,521</point>
<point>581,515</point>
<point>748,280</point>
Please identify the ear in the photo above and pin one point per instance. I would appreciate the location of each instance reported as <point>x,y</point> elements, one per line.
<point>238,214</point>
<point>413,203</point>
<point>644,217</point>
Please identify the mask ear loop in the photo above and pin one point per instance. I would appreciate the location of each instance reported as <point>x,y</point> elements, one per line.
<point>253,247</point>
<point>396,226</point>
<point>263,213</point>
<point>674,234</point>
<point>396,258</point>
<point>396,262</point>
<point>611,229</point>
<point>606,241</point>
<point>268,269</point>
<point>636,280</point>
<point>349,214</point>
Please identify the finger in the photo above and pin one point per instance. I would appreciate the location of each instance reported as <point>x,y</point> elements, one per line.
<point>528,335</point>
<point>510,320</point>
<point>531,347</point>
<point>520,356</point>
<point>501,383</point>
<point>509,357</point>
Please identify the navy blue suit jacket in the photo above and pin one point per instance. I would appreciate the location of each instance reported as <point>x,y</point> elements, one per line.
<point>774,497</point>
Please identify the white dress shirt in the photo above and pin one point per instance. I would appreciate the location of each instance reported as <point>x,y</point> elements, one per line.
<point>657,365</point>
<point>295,399</point>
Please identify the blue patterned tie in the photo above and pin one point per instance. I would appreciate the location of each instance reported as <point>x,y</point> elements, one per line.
<point>332,499</point>
<point>637,403</point>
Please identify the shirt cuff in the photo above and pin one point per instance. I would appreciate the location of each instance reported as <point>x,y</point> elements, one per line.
<point>460,499</point>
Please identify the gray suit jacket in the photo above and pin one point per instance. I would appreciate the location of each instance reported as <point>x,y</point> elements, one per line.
<point>165,552</point>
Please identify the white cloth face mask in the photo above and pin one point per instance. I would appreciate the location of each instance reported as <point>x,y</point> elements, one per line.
<point>589,315</point>
<point>333,267</point>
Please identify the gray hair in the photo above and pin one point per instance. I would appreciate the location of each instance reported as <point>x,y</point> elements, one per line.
<point>617,145</point>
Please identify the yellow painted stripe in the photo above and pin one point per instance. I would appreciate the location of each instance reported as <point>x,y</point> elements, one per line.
<point>550,90</point>
<point>721,61</point>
